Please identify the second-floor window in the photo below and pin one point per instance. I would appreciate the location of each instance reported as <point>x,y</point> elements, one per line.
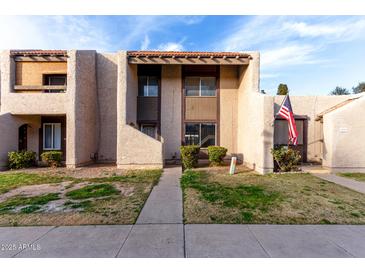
<point>200,86</point>
<point>54,80</point>
<point>147,86</point>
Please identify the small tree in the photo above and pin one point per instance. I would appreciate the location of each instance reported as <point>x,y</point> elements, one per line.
<point>359,88</point>
<point>339,91</point>
<point>282,89</point>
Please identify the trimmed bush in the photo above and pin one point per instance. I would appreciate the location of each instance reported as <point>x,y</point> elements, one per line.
<point>52,158</point>
<point>216,155</point>
<point>287,159</point>
<point>21,159</point>
<point>189,156</point>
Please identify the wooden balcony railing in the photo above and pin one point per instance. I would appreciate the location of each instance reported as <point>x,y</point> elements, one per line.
<point>39,88</point>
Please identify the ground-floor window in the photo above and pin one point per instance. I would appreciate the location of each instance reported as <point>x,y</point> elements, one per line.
<point>51,136</point>
<point>201,134</point>
<point>150,130</point>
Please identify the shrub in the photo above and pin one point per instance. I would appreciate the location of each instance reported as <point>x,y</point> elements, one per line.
<point>21,159</point>
<point>189,156</point>
<point>52,158</point>
<point>216,155</point>
<point>287,159</point>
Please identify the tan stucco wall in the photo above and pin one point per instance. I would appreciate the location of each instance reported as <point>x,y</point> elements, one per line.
<point>107,74</point>
<point>311,106</point>
<point>254,119</point>
<point>344,132</point>
<point>171,110</point>
<point>31,73</point>
<point>228,108</point>
<point>134,148</point>
<point>82,120</point>
<point>26,103</point>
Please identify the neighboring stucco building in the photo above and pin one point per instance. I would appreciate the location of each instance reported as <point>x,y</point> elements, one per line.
<point>137,108</point>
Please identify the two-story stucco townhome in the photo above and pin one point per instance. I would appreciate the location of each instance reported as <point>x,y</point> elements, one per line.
<point>135,109</point>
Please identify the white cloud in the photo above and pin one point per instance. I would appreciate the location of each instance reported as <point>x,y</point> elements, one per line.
<point>51,32</point>
<point>145,43</point>
<point>83,32</point>
<point>269,75</point>
<point>304,29</point>
<point>192,20</point>
<point>335,29</point>
<point>250,34</point>
<point>289,55</point>
<point>290,41</point>
<point>171,46</point>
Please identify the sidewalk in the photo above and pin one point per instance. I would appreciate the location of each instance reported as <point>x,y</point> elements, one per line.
<point>177,240</point>
<point>349,183</point>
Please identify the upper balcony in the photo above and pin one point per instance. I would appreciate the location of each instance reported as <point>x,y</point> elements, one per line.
<point>34,82</point>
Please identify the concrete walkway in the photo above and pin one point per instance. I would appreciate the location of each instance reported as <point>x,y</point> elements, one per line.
<point>164,205</point>
<point>346,182</point>
<point>177,240</point>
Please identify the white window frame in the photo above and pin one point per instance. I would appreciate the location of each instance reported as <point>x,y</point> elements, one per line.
<point>52,139</point>
<point>200,87</point>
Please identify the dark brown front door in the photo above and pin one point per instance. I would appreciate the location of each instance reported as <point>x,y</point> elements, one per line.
<point>22,142</point>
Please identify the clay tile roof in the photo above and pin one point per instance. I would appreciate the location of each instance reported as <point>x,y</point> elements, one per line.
<point>38,52</point>
<point>183,54</point>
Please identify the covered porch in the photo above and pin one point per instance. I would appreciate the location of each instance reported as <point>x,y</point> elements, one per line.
<point>36,133</point>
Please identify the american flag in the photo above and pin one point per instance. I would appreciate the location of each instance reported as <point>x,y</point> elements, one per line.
<point>286,112</point>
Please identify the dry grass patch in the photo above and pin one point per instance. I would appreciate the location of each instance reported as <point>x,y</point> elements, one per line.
<point>63,199</point>
<point>213,196</point>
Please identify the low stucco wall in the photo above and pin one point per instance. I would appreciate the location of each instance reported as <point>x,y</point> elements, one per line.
<point>311,106</point>
<point>344,132</point>
<point>134,148</point>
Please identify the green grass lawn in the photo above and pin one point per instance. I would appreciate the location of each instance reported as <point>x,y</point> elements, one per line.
<point>356,176</point>
<point>213,196</point>
<point>13,180</point>
<point>54,198</point>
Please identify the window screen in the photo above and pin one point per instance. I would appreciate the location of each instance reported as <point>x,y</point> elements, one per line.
<point>200,86</point>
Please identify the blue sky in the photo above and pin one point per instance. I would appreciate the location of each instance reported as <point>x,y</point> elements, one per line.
<point>312,54</point>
